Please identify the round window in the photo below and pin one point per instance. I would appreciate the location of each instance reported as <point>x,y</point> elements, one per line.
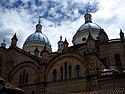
<point>84,39</point>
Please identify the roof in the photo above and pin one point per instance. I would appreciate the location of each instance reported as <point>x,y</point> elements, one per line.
<point>37,37</point>
<point>88,25</point>
<point>10,86</point>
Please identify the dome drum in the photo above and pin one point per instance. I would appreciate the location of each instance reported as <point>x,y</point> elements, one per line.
<point>81,37</point>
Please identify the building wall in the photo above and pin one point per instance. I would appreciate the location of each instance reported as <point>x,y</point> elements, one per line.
<point>40,73</point>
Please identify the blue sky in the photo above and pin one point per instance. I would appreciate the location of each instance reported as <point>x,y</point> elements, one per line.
<point>58,17</point>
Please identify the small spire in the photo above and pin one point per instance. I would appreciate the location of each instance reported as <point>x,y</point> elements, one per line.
<point>65,46</point>
<point>65,42</point>
<point>36,50</point>
<point>14,37</point>
<point>60,37</point>
<point>39,20</point>
<point>4,40</point>
<point>121,31</point>
<point>45,49</point>
<point>3,44</point>
<point>121,34</point>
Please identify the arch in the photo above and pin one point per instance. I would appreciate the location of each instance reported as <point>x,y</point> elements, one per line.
<point>22,71</point>
<point>54,76</point>
<point>61,60</point>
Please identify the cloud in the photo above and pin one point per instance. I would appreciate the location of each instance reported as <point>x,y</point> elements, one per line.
<point>18,16</point>
<point>58,17</point>
<point>110,16</point>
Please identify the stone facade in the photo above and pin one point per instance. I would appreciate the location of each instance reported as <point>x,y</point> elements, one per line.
<point>94,66</point>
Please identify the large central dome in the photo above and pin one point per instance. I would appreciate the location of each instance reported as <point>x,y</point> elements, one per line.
<point>83,32</point>
<point>37,40</point>
<point>37,37</point>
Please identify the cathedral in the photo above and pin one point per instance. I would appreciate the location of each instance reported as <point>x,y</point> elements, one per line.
<point>94,64</point>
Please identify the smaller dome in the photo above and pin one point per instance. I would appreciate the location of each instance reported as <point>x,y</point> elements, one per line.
<point>37,37</point>
<point>89,25</point>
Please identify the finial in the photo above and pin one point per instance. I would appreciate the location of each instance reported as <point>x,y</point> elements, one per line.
<point>39,20</point>
<point>60,37</point>
<point>120,30</point>
<point>36,50</point>
<point>14,37</point>
<point>4,40</point>
<point>65,41</point>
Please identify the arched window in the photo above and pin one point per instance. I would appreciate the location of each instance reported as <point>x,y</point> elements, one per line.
<point>20,81</point>
<point>61,73</point>
<point>54,74</point>
<point>69,72</point>
<point>65,70</point>
<point>117,60</point>
<point>26,80</point>
<point>23,77</point>
<point>77,71</point>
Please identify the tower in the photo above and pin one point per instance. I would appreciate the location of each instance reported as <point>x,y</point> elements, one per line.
<point>65,45</point>
<point>14,41</point>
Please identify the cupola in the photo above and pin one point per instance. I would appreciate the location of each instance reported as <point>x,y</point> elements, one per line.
<point>37,39</point>
<point>83,32</point>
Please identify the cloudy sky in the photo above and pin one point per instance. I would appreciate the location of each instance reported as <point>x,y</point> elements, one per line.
<point>58,17</point>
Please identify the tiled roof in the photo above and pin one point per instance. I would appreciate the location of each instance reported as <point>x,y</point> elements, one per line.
<point>8,85</point>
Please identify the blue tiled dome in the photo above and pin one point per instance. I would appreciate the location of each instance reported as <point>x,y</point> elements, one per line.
<point>37,40</point>
<point>89,25</point>
<point>83,32</point>
<point>37,37</point>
